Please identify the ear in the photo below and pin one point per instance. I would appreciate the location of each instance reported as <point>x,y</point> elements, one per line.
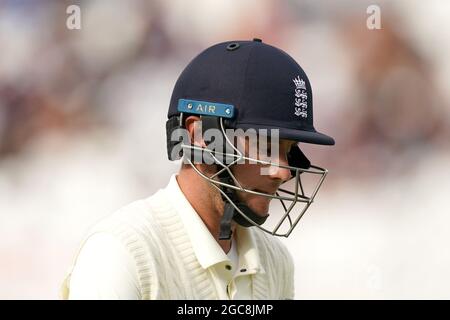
<point>193,126</point>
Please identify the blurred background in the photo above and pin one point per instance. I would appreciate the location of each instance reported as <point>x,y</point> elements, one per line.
<point>82,132</point>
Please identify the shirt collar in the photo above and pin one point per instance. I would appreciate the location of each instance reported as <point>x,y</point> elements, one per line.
<point>248,250</point>
<point>206,248</point>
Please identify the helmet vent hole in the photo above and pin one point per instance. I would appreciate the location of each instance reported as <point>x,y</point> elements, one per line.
<point>233,46</point>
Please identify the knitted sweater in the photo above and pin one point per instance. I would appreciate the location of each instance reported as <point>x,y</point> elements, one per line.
<point>153,233</point>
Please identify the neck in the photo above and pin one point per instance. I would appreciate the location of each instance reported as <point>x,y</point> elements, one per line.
<point>206,201</point>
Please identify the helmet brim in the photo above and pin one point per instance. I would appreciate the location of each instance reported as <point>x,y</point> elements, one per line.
<point>312,137</point>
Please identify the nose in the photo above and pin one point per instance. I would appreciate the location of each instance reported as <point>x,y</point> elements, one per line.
<point>279,173</point>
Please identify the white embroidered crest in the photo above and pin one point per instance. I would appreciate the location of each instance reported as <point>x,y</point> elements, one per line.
<point>301,98</point>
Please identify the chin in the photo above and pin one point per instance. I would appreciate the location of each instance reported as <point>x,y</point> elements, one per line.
<point>260,207</point>
<point>258,204</point>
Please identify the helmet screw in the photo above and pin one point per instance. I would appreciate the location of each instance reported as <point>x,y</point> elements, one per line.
<point>189,106</point>
<point>227,111</point>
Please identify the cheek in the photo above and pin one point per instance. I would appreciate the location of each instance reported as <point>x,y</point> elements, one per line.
<point>246,173</point>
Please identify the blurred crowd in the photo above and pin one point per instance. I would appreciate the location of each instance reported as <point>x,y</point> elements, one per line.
<point>388,109</point>
<point>98,96</point>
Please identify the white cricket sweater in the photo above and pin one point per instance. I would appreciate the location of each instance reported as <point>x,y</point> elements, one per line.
<point>171,255</point>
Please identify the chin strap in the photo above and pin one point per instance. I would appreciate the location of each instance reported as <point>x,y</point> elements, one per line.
<point>225,222</point>
<point>230,213</point>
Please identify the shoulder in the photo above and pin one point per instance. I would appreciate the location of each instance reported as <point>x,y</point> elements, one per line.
<point>104,270</point>
<point>134,215</point>
<point>119,253</point>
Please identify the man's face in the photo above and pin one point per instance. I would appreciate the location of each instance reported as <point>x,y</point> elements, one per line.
<point>250,176</point>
